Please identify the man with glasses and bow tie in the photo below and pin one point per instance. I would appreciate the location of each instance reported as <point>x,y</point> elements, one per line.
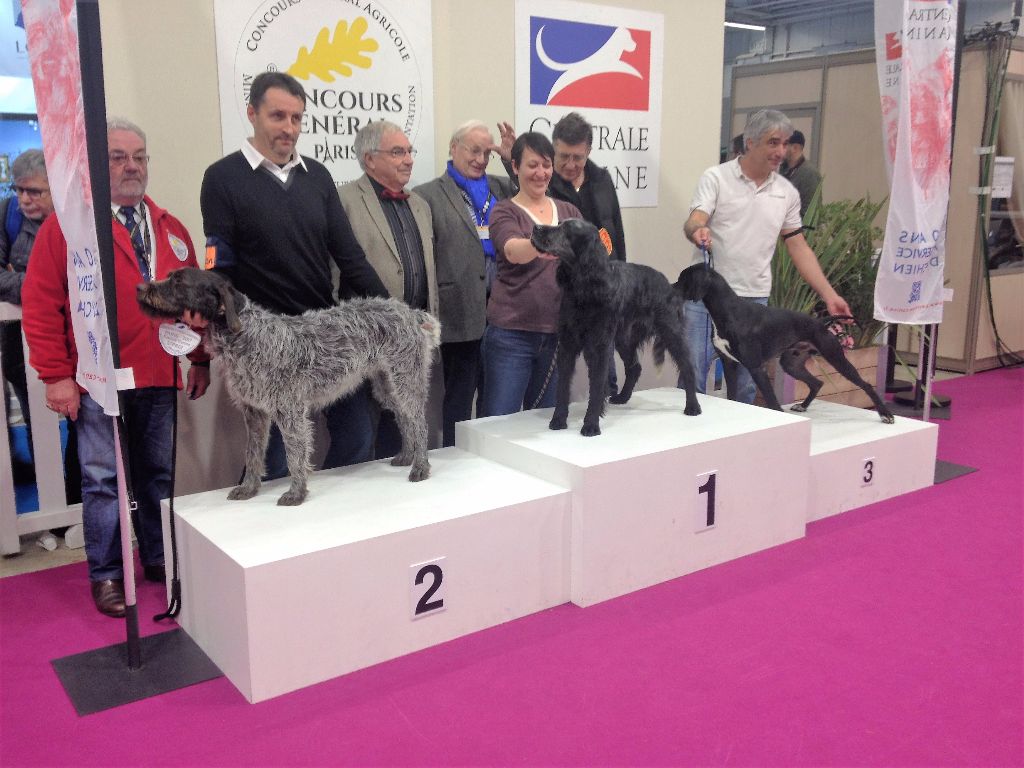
<point>149,243</point>
<point>394,229</point>
<point>273,225</point>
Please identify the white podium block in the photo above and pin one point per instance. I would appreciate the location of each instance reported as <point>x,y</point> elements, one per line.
<point>369,568</point>
<point>659,494</point>
<point>857,460</point>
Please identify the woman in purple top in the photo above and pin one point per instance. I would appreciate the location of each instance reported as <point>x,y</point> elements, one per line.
<point>522,314</point>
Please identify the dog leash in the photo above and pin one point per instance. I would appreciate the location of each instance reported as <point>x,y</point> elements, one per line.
<point>547,379</point>
<point>174,601</point>
<point>709,331</point>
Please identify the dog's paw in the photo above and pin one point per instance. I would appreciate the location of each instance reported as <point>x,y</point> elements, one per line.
<point>797,408</point>
<point>619,399</point>
<point>292,497</point>
<point>887,418</point>
<point>401,460</point>
<point>241,493</point>
<point>591,430</point>
<point>692,410</point>
<point>557,423</point>
<point>419,472</point>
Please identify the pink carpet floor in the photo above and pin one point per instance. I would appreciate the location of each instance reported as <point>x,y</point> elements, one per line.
<point>891,635</point>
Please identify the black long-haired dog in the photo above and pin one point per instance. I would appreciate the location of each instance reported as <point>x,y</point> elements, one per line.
<point>750,335</point>
<point>603,301</point>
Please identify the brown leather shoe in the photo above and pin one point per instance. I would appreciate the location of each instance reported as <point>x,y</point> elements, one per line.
<point>155,573</point>
<point>109,597</point>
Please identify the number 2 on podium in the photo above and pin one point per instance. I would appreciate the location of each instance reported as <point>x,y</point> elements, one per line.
<point>427,595</point>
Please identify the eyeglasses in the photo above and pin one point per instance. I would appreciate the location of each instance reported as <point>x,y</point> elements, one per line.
<point>32,193</point>
<point>564,157</point>
<point>477,151</point>
<point>122,158</point>
<point>398,153</point>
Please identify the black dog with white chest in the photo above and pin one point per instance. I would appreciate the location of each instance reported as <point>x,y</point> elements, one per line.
<point>751,334</point>
<point>602,301</point>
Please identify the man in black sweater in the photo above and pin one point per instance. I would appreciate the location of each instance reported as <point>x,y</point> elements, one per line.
<point>272,221</point>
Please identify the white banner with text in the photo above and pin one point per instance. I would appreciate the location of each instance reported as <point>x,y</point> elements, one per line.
<point>358,60</point>
<point>908,287</point>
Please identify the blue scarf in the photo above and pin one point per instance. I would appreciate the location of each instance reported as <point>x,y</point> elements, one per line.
<point>477,195</point>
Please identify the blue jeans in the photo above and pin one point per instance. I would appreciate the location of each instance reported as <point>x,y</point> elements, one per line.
<point>349,425</point>
<point>148,416</point>
<point>703,352</point>
<point>516,365</point>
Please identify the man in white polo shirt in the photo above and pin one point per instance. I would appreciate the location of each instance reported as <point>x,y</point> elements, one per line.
<point>739,210</point>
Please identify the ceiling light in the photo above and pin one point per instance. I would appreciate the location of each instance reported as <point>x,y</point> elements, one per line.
<point>737,25</point>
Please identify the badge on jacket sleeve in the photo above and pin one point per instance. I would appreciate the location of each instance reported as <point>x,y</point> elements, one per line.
<point>178,246</point>
<point>178,338</point>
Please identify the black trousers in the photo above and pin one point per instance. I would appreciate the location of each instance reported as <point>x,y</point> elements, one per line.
<point>460,361</point>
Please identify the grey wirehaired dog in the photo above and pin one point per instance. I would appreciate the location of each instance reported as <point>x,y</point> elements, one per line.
<point>280,368</point>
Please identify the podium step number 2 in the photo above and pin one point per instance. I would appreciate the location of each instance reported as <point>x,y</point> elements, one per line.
<point>427,592</point>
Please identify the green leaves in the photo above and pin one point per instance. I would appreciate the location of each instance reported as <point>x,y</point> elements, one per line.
<point>843,235</point>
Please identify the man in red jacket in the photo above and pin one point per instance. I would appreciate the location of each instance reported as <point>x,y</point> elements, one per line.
<point>148,244</point>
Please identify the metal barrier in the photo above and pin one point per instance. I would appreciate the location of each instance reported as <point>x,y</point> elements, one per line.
<point>54,510</point>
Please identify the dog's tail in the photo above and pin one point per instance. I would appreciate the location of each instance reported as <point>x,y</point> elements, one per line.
<point>658,351</point>
<point>430,327</point>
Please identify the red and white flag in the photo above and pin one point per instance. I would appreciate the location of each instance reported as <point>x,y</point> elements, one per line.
<point>51,28</point>
<point>915,73</point>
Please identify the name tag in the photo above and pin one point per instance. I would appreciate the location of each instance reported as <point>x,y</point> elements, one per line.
<point>178,338</point>
<point>483,232</point>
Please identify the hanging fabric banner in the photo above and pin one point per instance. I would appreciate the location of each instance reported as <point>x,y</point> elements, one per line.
<point>51,28</point>
<point>908,287</point>
<point>889,60</point>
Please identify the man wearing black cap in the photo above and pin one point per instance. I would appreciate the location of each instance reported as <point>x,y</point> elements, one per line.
<point>801,174</point>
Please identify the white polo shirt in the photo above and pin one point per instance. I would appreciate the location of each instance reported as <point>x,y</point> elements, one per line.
<point>745,223</point>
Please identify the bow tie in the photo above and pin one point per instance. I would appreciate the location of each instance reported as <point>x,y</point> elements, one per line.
<point>387,194</point>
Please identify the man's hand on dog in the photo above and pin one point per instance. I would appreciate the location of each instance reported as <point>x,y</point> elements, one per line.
<point>194,319</point>
<point>837,306</point>
<point>702,238</point>
<point>198,381</point>
<point>696,229</point>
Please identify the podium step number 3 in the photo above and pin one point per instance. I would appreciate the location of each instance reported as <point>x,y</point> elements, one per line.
<point>868,477</point>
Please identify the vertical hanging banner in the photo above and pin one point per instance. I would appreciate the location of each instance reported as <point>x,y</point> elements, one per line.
<point>358,60</point>
<point>889,61</point>
<point>606,64</point>
<point>51,28</point>
<point>908,287</point>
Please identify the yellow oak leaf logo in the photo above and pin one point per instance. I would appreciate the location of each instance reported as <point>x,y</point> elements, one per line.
<point>339,55</point>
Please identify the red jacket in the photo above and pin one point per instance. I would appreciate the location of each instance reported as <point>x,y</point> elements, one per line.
<point>46,311</point>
